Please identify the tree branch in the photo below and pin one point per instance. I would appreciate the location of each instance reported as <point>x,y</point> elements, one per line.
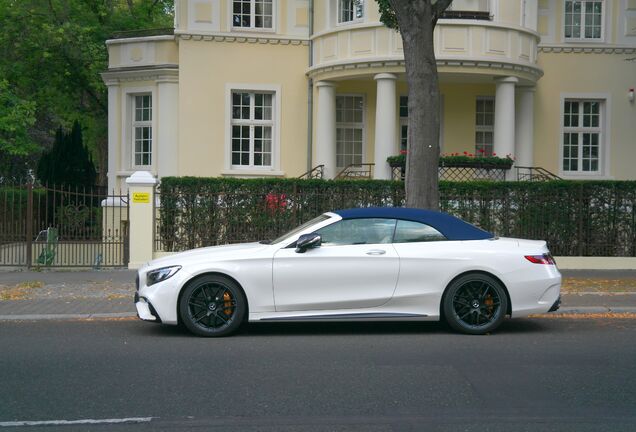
<point>438,7</point>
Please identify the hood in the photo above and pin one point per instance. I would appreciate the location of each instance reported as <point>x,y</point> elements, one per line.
<point>216,253</point>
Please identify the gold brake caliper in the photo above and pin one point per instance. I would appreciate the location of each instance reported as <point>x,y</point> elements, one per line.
<point>227,306</point>
<point>490,303</point>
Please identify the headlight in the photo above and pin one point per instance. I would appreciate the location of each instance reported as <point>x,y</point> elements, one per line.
<point>161,274</point>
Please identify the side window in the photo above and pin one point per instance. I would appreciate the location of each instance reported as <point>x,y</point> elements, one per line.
<point>358,231</point>
<point>409,232</point>
<point>350,10</point>
<point>142,130</point>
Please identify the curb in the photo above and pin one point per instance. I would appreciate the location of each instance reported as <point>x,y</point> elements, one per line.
<point>38,317</point>
<point>579,310</point>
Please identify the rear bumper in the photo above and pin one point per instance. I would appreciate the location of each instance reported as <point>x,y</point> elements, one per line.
<point>556,305</point>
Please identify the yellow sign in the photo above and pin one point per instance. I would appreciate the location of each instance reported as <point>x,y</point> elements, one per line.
<point>141,197</point>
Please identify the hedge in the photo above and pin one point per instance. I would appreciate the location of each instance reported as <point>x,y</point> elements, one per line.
<point>576,218</point>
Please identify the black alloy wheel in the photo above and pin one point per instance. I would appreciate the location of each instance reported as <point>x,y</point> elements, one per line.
<point>212,306</point>
<point>475,304</point>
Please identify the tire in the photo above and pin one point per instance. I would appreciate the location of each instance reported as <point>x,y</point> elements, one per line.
<point>475,304</point>
<point>212,306</point>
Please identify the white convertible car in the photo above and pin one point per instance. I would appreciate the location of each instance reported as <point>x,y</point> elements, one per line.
<point>356,264</point>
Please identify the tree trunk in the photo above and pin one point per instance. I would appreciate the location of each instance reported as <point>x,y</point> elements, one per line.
<point>102,160</point>
<point>416,19</point>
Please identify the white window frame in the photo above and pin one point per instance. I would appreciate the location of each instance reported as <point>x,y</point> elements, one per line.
<point>470,6</point>
<point>142,124</point>
<point>485,128</point>
<point>274,168</point>
<point>604,14</point>
<point>127,161</point>
<point>363,125</point>
<point>354,20</point>
<point>404,121</point>
<point>230,8</point>
<point>604,138</point>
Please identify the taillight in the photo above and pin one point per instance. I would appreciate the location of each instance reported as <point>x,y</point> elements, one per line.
<point>541,259</point>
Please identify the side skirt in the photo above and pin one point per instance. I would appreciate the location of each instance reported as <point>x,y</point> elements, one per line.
<point>349,317</point>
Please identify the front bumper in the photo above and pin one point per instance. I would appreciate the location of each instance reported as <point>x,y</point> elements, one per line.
<point>145,310</point>
<point>161,298</point>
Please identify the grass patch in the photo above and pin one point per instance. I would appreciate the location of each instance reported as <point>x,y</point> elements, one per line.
<point>20,291</point>
<point>576,285</point>
<point>117,296</point>
<point>605,315</point>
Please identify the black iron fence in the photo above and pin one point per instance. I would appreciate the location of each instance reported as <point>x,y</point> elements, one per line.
<point>53,226</point>
<point>575,218</point>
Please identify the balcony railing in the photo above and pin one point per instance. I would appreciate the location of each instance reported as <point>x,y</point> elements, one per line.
<point>316,172</point>
<point>535,174</point>
<point>449,173</point>
<point>460,173</point>
<point>142,33</point>
<point>356,171</point>
<point>459,14</point>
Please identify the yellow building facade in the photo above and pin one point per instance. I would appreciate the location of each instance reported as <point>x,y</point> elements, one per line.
<point>254,88</point>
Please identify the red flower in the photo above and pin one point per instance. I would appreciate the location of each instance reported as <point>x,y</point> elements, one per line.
<point>470,154</point>
<point>466,153</point>
<point>403,152</point>
<point>275,202</point>
<point>494,154</point>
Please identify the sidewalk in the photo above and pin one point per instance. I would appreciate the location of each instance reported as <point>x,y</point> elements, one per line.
<point>52,294</point>
<point>28,295</point>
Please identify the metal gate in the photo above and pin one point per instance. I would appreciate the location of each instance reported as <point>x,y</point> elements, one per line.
<point>48,226</point>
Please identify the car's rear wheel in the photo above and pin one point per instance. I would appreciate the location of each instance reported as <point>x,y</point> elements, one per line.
<point>475,303</point>
<point>212,305</point>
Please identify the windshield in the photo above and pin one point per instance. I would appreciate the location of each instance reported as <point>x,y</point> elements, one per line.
<point>300,228</point>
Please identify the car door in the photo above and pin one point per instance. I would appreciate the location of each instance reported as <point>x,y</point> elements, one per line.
<point>356,266</point>
<point>427,258</point>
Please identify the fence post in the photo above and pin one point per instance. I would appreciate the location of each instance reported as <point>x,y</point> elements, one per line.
<point>29,226</point>
<point>141,190</point>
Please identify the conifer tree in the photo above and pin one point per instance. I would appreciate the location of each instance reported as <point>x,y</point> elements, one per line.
<point>68,162</point>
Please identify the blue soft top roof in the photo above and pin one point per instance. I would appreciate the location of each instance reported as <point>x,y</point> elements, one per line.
<point>453,228</point>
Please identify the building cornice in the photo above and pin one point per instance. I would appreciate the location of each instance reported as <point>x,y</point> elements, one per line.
<point>370,65</point>
<point>585,49</point>
<point>159,73</point>
<point>244,38</point>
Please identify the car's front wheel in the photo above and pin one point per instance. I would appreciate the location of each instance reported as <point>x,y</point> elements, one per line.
<point>212,306</point>
<point>475,304</point>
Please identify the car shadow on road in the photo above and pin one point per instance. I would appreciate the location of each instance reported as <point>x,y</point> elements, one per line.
<point>349,328</point>
<point>377,328</point>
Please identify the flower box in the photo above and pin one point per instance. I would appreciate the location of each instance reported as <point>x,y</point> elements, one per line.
<point>465,160</point>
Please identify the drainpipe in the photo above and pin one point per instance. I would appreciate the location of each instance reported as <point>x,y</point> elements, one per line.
<point>310,88</point>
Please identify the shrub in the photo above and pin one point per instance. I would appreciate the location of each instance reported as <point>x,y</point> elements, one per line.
<point>574,217</point>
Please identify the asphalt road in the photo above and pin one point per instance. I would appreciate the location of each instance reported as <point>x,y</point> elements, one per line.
<point>538,374</point>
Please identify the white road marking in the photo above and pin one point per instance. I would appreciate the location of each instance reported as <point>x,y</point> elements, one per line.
<point>75,422</point>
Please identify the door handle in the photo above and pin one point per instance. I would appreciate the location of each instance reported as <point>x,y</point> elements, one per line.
<point>376,252</point>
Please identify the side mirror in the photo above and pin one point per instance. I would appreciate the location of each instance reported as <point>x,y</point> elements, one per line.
<point>308,241</point>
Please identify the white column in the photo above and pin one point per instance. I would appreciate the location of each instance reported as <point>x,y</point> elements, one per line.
<point>141,217</point>
<point>114,133</point>
<point>326,128</point>
<point>385,124</point>
<point>524,142</point>
<point>166,142</point>
<point>504,142</point>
